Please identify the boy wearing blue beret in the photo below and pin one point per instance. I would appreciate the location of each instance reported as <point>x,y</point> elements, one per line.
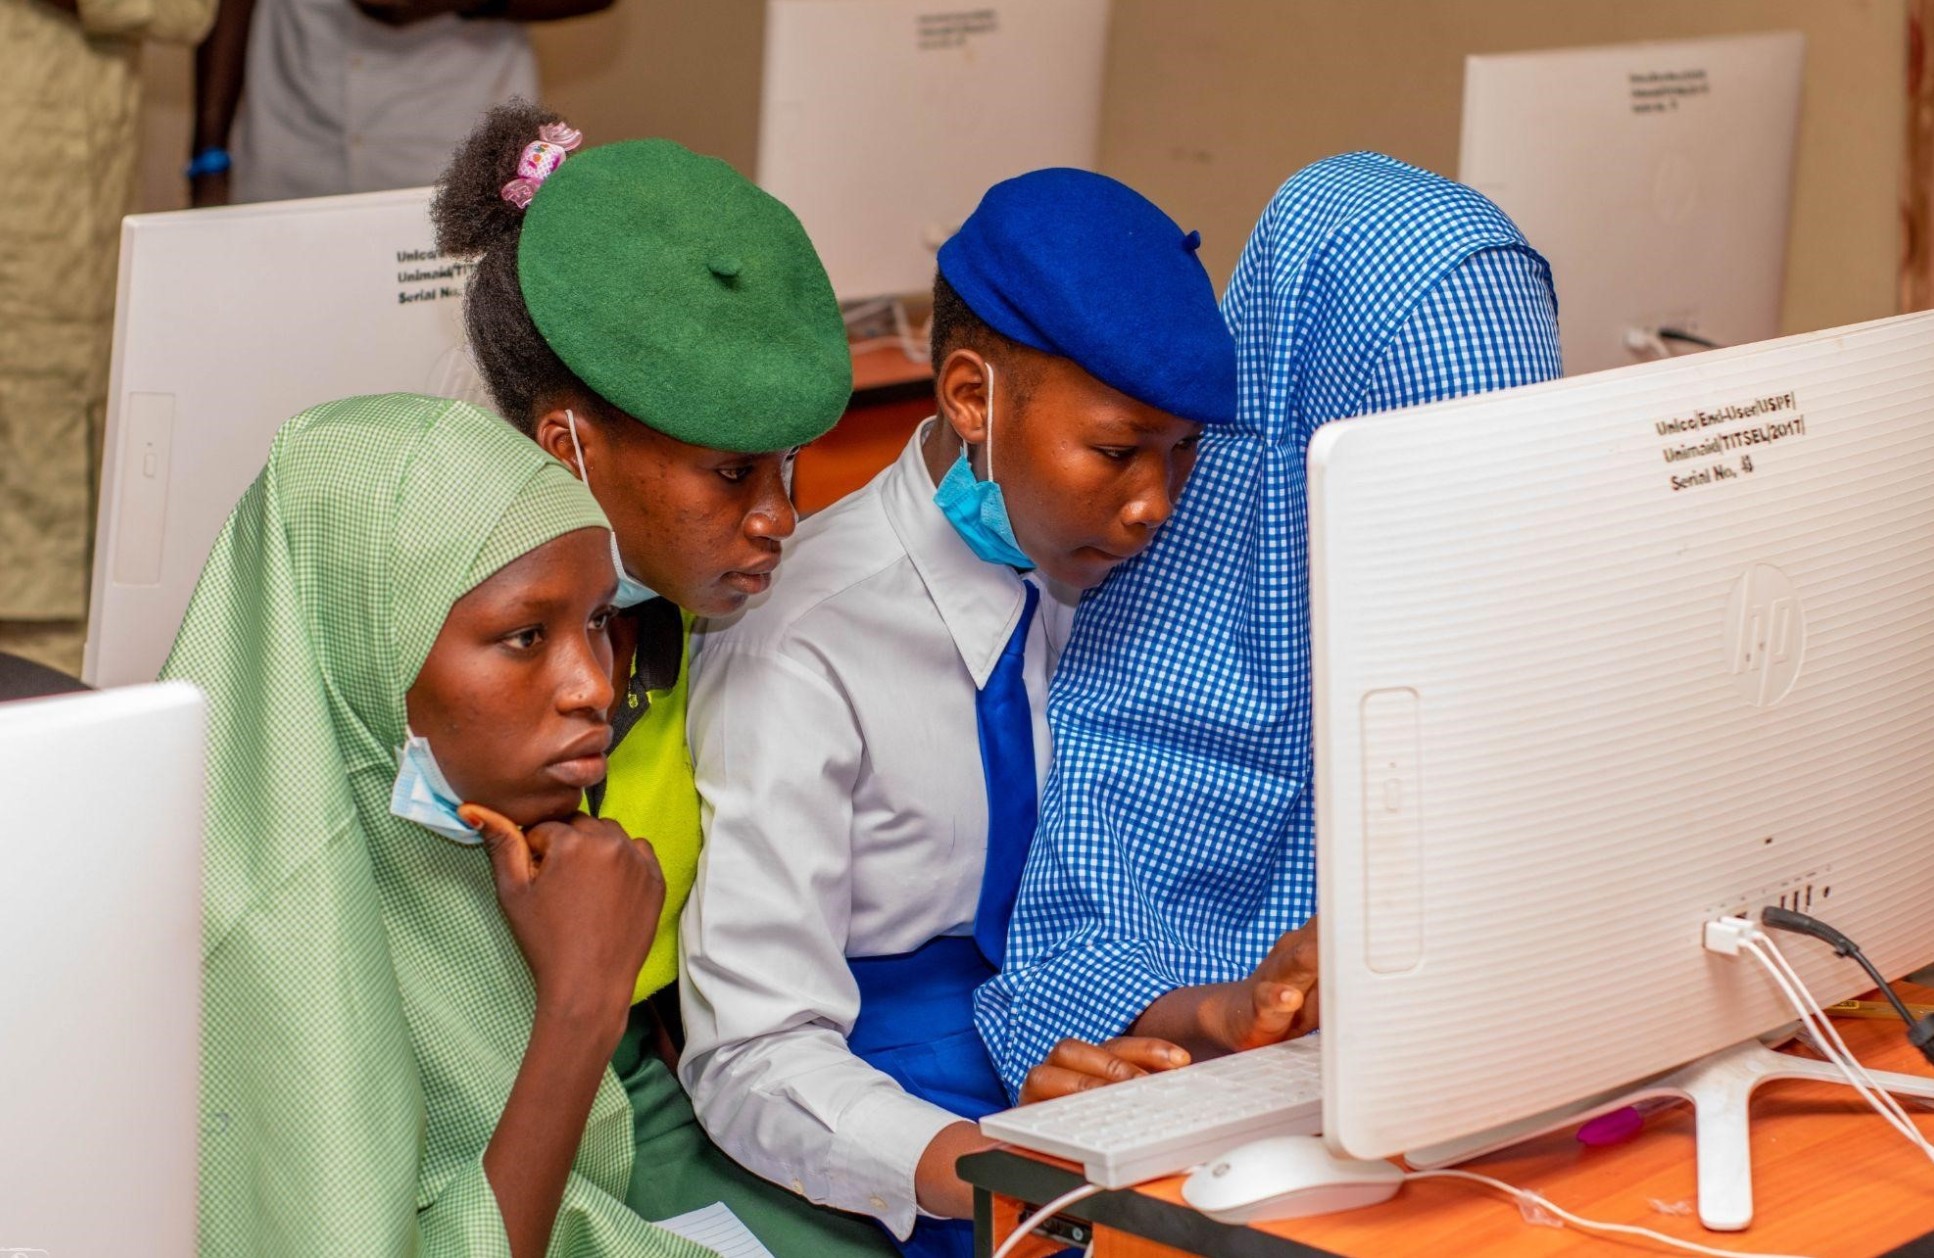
<point>1174,880</point>
<point>869,737</point>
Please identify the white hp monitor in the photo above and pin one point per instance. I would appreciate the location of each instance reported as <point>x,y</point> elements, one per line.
<point>227,323</point>
<point>881,122</point>
<point>1656,178</point>
<point>100,978</point>
<point>1596,662</point>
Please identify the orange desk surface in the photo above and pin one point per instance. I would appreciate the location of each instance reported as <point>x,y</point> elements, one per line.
<point>1829,1178</point>
<point>891,395</point>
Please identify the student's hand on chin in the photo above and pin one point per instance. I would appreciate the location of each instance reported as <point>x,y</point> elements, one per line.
<point>582,899</point>
<point>1077,1066</point>
<point>1278,1000</point>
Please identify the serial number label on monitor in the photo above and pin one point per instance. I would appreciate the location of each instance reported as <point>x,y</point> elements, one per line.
<point>944,29</point>
<point>1711,447</point>
<point>1660,91</point>
<point>425,275</point>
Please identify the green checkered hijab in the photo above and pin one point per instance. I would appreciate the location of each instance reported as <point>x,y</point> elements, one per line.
<point>366,1008</point>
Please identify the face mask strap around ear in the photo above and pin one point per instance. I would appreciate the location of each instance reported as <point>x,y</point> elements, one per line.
<point>987,374</point>
<point>987,369</point>
<point>631,591</point>
<point>583,474</point>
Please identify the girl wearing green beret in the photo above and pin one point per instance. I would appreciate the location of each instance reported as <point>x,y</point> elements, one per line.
<point>425,967</point>
<point>664,329</point>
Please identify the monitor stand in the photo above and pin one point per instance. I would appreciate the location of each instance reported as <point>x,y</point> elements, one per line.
<point>1720,1087</point>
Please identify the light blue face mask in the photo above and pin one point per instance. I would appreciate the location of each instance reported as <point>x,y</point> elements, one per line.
<point>423,794</point>
<point>976,508</point>
<point>631,591</point>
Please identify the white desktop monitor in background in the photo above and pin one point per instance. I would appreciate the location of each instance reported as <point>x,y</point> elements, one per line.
<point>100,978</point>
<point>1655,177</point>
<point>228,323</point>
<point>882,122</point>
<point>1596,662</point>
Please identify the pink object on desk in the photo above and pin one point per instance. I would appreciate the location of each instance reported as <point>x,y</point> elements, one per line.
<point>1615,1127</point>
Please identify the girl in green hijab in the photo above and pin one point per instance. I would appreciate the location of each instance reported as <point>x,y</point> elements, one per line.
<point>408,1032</point>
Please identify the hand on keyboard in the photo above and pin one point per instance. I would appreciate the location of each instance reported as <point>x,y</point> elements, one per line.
<point>1076,1065</point>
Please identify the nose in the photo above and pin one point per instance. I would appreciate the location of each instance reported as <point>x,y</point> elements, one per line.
<point>772,517</point>
<point>1152,502</point>
<point>585,686</point>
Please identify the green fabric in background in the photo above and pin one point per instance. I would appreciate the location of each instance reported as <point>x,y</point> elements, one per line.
<point>366,1005</point>
<point>678,1169</point>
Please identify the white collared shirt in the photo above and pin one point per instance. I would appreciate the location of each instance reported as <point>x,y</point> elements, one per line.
<point>838,759</point>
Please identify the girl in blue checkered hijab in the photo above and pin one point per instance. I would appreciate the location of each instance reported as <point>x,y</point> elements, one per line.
<point>1176,848</point>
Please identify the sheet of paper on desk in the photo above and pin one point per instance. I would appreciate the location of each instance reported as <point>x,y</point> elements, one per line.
<point>718,1229</point>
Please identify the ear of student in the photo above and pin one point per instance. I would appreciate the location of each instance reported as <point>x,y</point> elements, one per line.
<point>962,390</point>
<point>552,432</point>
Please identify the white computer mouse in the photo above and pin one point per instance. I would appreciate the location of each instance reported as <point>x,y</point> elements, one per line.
<point>1287,1177</point>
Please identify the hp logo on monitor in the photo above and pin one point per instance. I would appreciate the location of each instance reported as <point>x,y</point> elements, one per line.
<point>1765,635</point>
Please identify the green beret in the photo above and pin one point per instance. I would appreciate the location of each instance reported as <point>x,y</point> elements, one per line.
<point>686,297</point>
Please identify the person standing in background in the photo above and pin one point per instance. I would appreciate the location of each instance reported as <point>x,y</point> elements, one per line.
<point>70,91</point>
<point>333,96</point>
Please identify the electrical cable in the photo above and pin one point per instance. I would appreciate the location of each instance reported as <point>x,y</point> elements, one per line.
<point>1743,936</point>
<point>1026,1227</point>
<point>1589,1225</point>
<point>1832,1046</point>
<point>1688,338</point>
<point>1920,1031</point>
<point>1651,342</point>
<point>1749,939</point>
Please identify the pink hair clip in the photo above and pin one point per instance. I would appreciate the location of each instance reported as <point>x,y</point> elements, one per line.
<point>540,160</point>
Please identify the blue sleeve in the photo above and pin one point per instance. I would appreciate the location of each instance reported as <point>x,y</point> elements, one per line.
<point>1177,832</point>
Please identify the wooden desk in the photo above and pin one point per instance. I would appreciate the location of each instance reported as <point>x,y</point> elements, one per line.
<point>891,395</point>
<point>1829,1178</point>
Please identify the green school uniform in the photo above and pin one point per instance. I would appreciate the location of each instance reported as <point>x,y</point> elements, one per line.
<point>649,788</point>
<point>366,1008</point>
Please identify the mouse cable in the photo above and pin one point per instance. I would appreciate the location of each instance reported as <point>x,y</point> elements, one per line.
<point>1589,1225</point>
<point>1026,1227</point>
<point>1920,1031</point>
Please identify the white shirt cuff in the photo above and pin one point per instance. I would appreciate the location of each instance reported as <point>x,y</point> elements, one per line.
<point>877,1152</point>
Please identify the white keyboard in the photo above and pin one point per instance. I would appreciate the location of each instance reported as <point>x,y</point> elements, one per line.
<point>1162,1124</point>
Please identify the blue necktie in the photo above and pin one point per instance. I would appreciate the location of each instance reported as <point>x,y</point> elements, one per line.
<point>1007,759</point>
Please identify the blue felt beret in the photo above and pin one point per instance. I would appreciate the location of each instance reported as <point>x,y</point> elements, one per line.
<point>1082,266</point>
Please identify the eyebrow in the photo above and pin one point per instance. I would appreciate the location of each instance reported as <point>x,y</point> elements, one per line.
<point>1135,420</point>
<point>524,603</point>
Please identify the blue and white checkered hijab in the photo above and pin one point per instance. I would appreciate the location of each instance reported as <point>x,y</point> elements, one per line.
<point>1177,837</point>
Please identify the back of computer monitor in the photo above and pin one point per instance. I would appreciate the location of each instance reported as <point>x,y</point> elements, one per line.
<point>1597,661</point>
<point>882,122</point>
<point>228,322</point>
<point>100,979</point>
<point>1655,177</point>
